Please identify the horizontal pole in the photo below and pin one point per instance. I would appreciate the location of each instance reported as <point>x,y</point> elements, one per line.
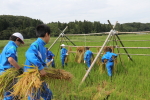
<point>136,32</point>
<point>115,47</point>
<point>134,54</point>
<point>111,40</point>
<point>133,47</point>
<point>119,53</point>
<point>76,52</point>
<point>101,33</point>
<point>84,46</point>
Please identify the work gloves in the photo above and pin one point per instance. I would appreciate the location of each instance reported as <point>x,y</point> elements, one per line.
<point>20,71</point>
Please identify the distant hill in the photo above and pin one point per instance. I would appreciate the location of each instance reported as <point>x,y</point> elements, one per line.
<point>10,24</point>
<point>25,25</point>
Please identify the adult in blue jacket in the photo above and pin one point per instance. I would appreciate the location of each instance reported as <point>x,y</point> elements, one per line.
<point>36,55</point>
<point>63,54</point>
<point>108,58</point>
<point>9,57</point>
<point>87,56</point>
<point>50,58</point>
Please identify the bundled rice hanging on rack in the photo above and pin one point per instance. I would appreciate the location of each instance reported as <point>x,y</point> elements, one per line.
<point>79,54</point>
<point>31,81</point>
<point>7,79</point>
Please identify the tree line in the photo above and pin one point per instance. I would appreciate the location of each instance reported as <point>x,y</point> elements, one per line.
<point>25,25</point>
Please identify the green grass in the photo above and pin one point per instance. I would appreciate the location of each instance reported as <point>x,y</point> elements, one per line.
<point>130,81</point>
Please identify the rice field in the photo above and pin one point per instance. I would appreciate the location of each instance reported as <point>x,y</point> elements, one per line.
<point>130,80</point>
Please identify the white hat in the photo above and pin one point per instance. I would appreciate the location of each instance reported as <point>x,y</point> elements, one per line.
<point>19,35</point>
<point>62,45</point>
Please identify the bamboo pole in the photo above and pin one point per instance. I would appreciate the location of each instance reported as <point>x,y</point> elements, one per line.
<point>85,46</point>
<point>114,47</point>
<point>134,54</point>
<point>119,53</point>
<point>136,32</point>
<point>61,34</point>
<point>133,47</point>
<point>116,40</point>
<point>89,69</point>
<point>123,46</point>
<point>70,40</point>
<point>102,33</point>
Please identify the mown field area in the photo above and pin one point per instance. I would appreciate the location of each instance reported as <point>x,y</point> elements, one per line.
<point>131,80</point>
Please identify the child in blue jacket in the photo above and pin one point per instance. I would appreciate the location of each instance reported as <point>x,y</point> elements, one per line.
<point>108,58</point>
<point>63,54</point>
<point>87,56</point>
<point>36,55</point>
<point>9,57</point>
<point>50,58</point>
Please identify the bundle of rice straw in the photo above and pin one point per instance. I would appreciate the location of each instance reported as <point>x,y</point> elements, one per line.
<point>28,83</point>
<point>67,57</point>
<point>115,64</point>
<point>53,73</point>
<point>79,54</point>
<point>7,79</point>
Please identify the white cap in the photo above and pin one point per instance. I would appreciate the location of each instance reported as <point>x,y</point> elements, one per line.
<point>62,45</point>
<point>19,35</point>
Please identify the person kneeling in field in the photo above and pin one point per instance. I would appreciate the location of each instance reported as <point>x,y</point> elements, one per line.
<point>50,58</point>
<point>108,58</point>
<point>9,58</point>
<point>36,55</point>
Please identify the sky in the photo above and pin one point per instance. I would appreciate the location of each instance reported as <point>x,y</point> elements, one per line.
<point>65,11</point>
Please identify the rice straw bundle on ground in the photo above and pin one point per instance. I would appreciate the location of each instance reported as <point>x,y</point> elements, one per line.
<point>79,54</point>
<point>103,91</point>
<point>7,79</point>
<point>61,74</point>
<point>28,83</point>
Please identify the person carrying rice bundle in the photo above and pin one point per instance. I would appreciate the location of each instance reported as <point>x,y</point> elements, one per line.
<point>36,56</point>
<point>63,55</point>
<point>109,58</point>
<point>50,58</point>
<point>9,58</point>
<point>87,56</point>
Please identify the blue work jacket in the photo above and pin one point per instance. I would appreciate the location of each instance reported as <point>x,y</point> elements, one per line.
<point>108,56</point>
<point>10,50</point>
<point>36,55</point>
<point>63,53</point>
<point>49,55</point>
<point>87,55</point>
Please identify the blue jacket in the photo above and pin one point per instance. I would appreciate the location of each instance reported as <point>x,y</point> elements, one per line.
<point>10,50</point>
<point>49,55</point>
<point>108,56</point>
<point>63,52</point>
<point>87,55</point>
<point>36,55</point>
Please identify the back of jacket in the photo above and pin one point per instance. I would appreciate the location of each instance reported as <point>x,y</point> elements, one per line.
<point>88,55</point>
<point>36,55</point>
